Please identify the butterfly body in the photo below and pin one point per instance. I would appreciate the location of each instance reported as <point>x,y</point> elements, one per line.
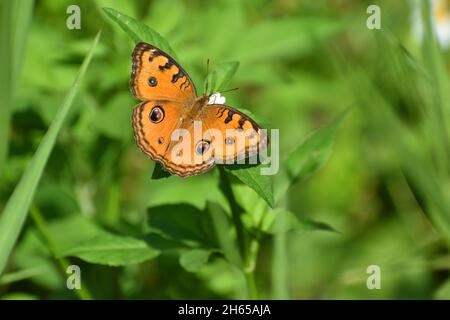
<point>171,113</point>
<point>197,108</point>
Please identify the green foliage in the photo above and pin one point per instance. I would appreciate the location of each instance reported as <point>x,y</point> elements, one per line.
<point>17,207</point>
<point>193,260</point>
<point>293,222</point>
<point>222,226</point>
<point>252,177</point>
<point>112,250</point>
<point>219,77</point>
<point>312,153</point>
<point>183,223</point>
<point>114,112</point>
<point>15,17</point>
<point>138,31</point>
<point>252,47</point>
<point>5,80</point>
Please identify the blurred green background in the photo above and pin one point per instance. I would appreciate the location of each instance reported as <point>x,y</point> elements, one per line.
<point>385,187</point>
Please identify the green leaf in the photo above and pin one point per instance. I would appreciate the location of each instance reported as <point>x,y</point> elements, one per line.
<point>264,123</point>
<point>252,177</point>
<point>218,78</point>
<point>159,172</point>
<point>184,223</point>
<point>313,152</point>
<point>22,275</point>
<point>33,251</point>
<point>16,209</point>
<point>193,260</point>
<point>162,243</point>
<point>273,223</point>
<point>139,32</point>
<point>112,250</point>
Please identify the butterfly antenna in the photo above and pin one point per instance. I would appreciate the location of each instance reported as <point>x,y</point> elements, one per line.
<point>228,90</point>
<point>206,77</point>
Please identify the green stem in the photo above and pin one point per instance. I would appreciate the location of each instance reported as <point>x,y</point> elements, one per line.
<point>280,288</point>
<point>251,285</point>
<point>248,248</point>
<point>280,262</point>
<point>235,212</point>
<point>63,263</point>
<point>250,269</point>
<point>18,205</point>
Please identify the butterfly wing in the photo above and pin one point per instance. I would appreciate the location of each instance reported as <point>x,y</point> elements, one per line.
<point>156,76</point>
<point>162,133</point>
<point>164,129</point>
<point>233,135</point>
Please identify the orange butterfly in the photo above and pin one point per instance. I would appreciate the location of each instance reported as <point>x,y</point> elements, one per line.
<point>165,124</point>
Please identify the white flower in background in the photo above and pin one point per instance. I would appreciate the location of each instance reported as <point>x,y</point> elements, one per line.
<point>440,11</point>
<point>216,98</point>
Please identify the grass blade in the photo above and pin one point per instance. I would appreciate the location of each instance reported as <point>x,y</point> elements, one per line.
<point>15,18</point>
<point>18,205</point>
<point>22,15</point>
<point>22,275</point>
<point>5,78</point>
<point>438,87</point>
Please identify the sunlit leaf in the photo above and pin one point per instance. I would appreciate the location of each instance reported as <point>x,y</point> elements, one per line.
<point>252,177</point>
<point>139,31</point>
<point>112,250</point>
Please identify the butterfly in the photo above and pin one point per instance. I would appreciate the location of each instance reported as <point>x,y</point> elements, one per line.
<point>165,123</point>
